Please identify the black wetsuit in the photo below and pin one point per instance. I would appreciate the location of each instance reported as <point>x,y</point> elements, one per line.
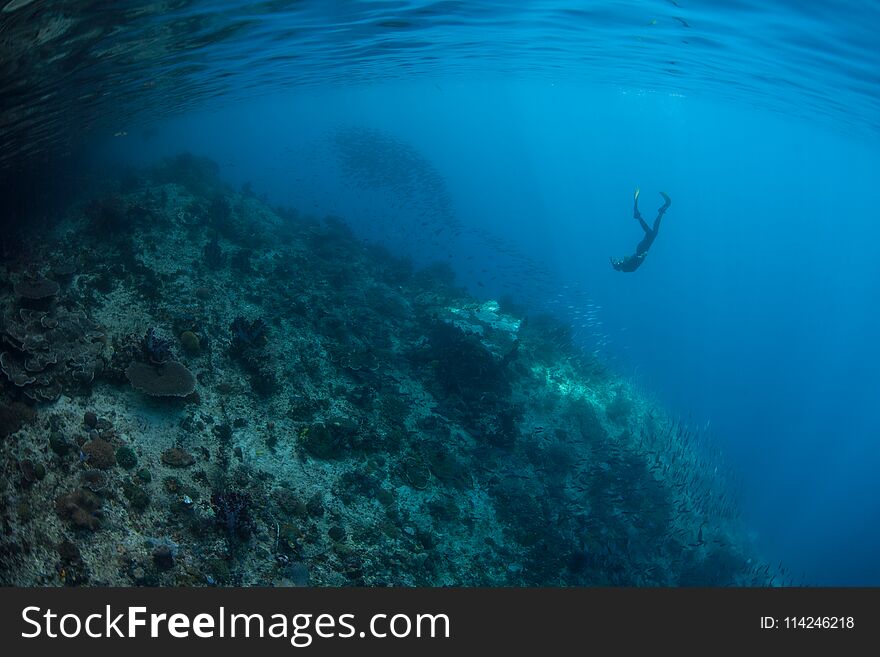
<point>634,261</point>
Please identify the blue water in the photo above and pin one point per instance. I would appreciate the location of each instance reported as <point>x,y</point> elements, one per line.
<point>755,313</point>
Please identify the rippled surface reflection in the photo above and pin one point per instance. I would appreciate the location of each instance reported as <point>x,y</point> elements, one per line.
<point>74,67</point>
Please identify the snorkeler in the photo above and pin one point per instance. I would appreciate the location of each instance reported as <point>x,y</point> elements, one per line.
<point>631,263</point>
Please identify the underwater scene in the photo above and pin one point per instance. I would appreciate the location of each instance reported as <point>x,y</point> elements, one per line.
<point>439,293</point>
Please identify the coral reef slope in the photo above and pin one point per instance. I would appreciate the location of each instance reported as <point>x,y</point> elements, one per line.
<point>199,389</point>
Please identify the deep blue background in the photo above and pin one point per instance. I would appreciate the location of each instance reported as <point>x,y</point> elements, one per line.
<point>755,313</point>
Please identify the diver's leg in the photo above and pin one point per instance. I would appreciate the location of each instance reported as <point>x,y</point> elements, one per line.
<point>638,215</point>
<point>666,203</point>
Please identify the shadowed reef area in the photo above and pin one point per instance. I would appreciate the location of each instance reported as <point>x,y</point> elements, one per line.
<point>200,389</point>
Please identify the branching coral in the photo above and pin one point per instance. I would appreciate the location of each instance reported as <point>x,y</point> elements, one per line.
<point>232,511</point>
<point>157,350</point>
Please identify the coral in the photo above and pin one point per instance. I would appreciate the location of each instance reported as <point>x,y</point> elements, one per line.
<point>177,458</point>
<point>326,441</point>
<point>81,508</point>
<point>71,568</point>
<point>100,453</point>
<point>619,408</point>
<point>416,436</point>
<point>587,421</point>
<point>170,379</point>
<point>190,342</point>
<point>14,416</point>
<point>241,261</point>
<point>296,573</point>
<point>157,350</point>
<point>220,213</point>
<point>248,340</point>
<point>548,339</point>
<point>59,444</point>
<point>36,288</point>
<point>445,466</point>
<point>68,552</point>
<point>198,174</point>
<point>63,270</point>
<point>126,350</point>
<point>356,484</point>
<point>49,350</point>
<point>106,215</point>
<point>14,373</point>
<point>137,497</point>
<point>461,364</point>
<point>315,506</point>
<point>203,293</point>
<point>30,472</point>
<point>125,457</point>
<point>163,557</point>
<point>95,480</point>
<point>232,511</point>
<point>247,335</point>
<point>502,428</point>
<point>416,473</point>
<point>213,255</point>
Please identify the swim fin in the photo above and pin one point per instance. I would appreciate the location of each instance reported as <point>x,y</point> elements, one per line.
<point>666,200</point>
